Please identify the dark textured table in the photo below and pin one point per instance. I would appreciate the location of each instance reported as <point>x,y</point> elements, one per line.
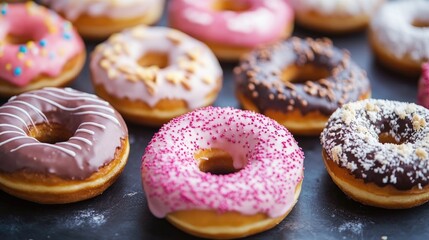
<point>322,212</point>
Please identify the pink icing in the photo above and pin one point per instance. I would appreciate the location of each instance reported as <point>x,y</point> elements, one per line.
<point>270,160</point>
<point>264,22</point>
<point>423,94</point>
<point>53,43</point>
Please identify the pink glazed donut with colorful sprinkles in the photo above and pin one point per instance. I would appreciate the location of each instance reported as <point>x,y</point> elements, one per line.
<point>37,49</point>
<point>222,172</point>
<point>233,28</point>
<point>423,95</point>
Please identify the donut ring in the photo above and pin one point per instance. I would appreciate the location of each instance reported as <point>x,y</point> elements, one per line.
<point>100,19</point>
<point>399,35</point>
<point>37,49</point>
<point>236,27</point>
<point>423,92</point>
<point>151,75</point>
<point>335,16</point>
<point>261,179</point>
<point>376,151</point>
<point>299,83</point>
<point>60,146</point>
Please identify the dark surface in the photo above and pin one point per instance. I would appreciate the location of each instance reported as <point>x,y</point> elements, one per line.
<point>322,212</point>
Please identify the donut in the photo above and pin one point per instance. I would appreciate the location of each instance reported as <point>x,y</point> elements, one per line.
<point>37,49</point>
<point>423,91</point>
<point>99,19</point>
<point>222,173</point>
<point>60,146</point>
<point>151,75</point>
<point>399,36</point>
<point>232,28</point>
<point>299,83</point>
<point>335,16</point>
<point>376,151</point>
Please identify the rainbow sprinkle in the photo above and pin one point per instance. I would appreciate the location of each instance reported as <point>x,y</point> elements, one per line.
<point>17,71</point>
<point>4,9</point>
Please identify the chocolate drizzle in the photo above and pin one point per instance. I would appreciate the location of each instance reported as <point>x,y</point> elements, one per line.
<point>98,132</point>
<point>258,77</point>
<point>351,139</point>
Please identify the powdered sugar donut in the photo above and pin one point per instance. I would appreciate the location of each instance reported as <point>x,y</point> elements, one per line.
<point>376,151</point>
<point>37,49</point>
<point>232,28</point>
<point>100,19</point>
<point>423,94</point>
<point>222,172</point>
<point>335,16</point>
<point>399,35</point>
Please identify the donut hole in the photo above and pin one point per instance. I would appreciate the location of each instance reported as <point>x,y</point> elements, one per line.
<point>215,161</point>
<point>387,138</point>
<point>304,73</point>
<point>228,5</point>
<point>50,133</point>
<point>420,24</point>
<point>17,39</point>
<point>150,59</point>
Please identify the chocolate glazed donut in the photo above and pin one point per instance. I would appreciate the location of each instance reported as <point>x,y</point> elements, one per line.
<point>299,83</point>
<point>60,145</point>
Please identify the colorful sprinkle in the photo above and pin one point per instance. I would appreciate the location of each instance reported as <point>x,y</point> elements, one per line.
<point>29,63</point>
<point>67,36</point>
<point>8,66</point>
<point>43,43</point>
<point>30,44</point>
<point>20,55</point>
<point>17,71</point>
<point>22,49</point>
<point>4,9</point>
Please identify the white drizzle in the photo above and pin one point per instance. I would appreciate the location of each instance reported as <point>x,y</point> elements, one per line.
<point>70,95</point>
<point>92,124</point>
<point>69,152</point>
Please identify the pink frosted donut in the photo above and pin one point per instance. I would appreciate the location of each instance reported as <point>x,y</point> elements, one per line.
<point>222,172</point>
<point>37,49</point>
<point>232,28</point>
<point>423,94</point>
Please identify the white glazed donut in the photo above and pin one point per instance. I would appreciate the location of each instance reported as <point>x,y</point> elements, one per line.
<point>335,16</point>
<point>101,18</point>
<point>152,74</point>
<point>396,37</point>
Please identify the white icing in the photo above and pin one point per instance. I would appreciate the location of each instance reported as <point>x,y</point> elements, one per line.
<point>156,40</point>
<point>248,22</point>
<point>110,117</point>
<point>392,27</point>
<point>34,109</point>
<point>92,124</point>
<point>21,110</point>
<point>85,131</point>
<point>14,116</point>
<point>195,16</point>
<point>82,139</point>
<point>65,150</point>
<point>116,9</point>
<point>338,7</point>
<point>12,126</point>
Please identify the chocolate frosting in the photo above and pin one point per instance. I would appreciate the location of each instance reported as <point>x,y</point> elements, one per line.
<point>98,132</point>
<point>351,140</point>
<point>258,77</point>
